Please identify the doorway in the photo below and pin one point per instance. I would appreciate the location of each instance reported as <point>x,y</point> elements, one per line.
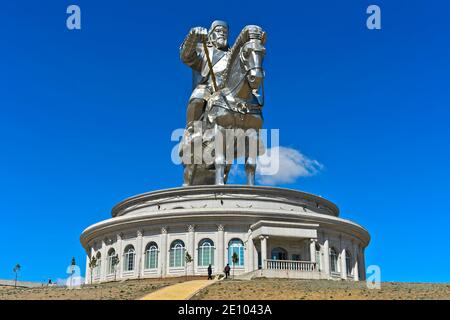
<point>279,253</point>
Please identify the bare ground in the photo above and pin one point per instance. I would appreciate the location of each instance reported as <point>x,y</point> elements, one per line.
<point>270,289</point>
<point>124,290</point>
<point>289,289</point>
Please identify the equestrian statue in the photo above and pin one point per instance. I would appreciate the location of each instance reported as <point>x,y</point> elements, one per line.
<point>227,97</point>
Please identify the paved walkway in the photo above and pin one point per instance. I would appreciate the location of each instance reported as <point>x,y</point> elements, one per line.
<point>179,291</point>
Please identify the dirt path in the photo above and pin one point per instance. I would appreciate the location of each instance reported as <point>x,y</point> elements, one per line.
<point>179,291</point>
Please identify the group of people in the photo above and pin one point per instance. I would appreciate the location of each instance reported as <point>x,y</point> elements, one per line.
<point>226,271</point>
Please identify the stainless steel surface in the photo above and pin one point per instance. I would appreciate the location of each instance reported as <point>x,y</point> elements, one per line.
<point>236,102</point>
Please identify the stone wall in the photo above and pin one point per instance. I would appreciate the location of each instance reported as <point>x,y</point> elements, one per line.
<point>23,284</point>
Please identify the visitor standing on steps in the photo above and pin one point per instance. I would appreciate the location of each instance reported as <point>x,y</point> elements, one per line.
<point>227,270</point>
<point>209,272</point>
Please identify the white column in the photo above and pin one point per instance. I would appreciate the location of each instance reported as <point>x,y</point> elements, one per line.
<point>250,251</point>
<point>363,265</point>
<point>138,270</point>
<point>312,250</point>
<point>91,272</point>
<point>191,249</point>
<point>220,248</point>
<point>355,265</point>
<point>255,257</point>
<point>326,258</point>
<point>87,278</point>
<point>163,253</point>
<point>120,255</point>
<point>343,265</point>
<point>104,264</point>
<point>263,251</point>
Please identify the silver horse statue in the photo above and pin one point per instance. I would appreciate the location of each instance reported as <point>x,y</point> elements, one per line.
<point>236,104</point>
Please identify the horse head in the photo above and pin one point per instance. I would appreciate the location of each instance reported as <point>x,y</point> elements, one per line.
<point>251,57</point>
<point>245,72</point>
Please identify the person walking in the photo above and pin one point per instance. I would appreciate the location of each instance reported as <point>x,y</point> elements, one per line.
<point>209,272</point>
<point>227,271</point>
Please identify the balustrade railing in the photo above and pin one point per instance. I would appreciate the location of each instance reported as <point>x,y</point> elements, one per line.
<point>291,265</point>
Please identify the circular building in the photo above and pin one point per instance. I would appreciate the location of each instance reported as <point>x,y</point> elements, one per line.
<point>273,232</point>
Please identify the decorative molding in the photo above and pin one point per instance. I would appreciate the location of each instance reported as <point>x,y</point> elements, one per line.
<point>259,193</point>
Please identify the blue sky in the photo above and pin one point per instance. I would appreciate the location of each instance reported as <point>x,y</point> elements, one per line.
<point>86,118</point>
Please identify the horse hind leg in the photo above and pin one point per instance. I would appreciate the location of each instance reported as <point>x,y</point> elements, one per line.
<point>227,171</point>
<point>219,163</point>
<point>187,176</point>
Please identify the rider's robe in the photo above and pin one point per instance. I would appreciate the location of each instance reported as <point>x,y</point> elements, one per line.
<point>193,55</point>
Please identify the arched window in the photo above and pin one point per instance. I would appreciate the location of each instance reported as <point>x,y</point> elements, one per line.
<point>177,252</point>
<point>205,253</point>
<point>236,246</point>
<point>348,262</point>
<point>151,256</point>
<point>333,260</point>
<point>111,261</point>
<point>128,262</point>
<point>98,267</point>
<point>279,254</point>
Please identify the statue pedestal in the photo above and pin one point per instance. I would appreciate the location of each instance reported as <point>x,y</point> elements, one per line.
<point>275,232</point>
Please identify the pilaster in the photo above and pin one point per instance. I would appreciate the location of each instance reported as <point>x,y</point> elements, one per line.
<point>343,264</point>
<point>163,254</point>
<point>220,248</point>
<point>139,269</point>
<point>104,260</point>
<point>249,252</point>
<point>120,255</point>
<point>326,258</point>
<point>356,265</point>
<point>191,248</point>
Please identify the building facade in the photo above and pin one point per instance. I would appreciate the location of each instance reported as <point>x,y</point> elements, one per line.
<point>273,232</point>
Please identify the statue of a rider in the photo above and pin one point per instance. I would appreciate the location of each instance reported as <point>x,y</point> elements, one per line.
<point>225,96</point>
<point>192,53</point>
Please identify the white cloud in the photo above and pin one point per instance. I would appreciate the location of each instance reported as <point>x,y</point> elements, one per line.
<point>291,164</point>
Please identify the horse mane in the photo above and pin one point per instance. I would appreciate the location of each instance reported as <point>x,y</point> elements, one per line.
<point>248,33</point>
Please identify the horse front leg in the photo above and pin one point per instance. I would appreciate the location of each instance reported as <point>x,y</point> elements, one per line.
<point>188,175</point>
<point>250,156</point>
<point>219,158</point>
<point>250,169</point>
